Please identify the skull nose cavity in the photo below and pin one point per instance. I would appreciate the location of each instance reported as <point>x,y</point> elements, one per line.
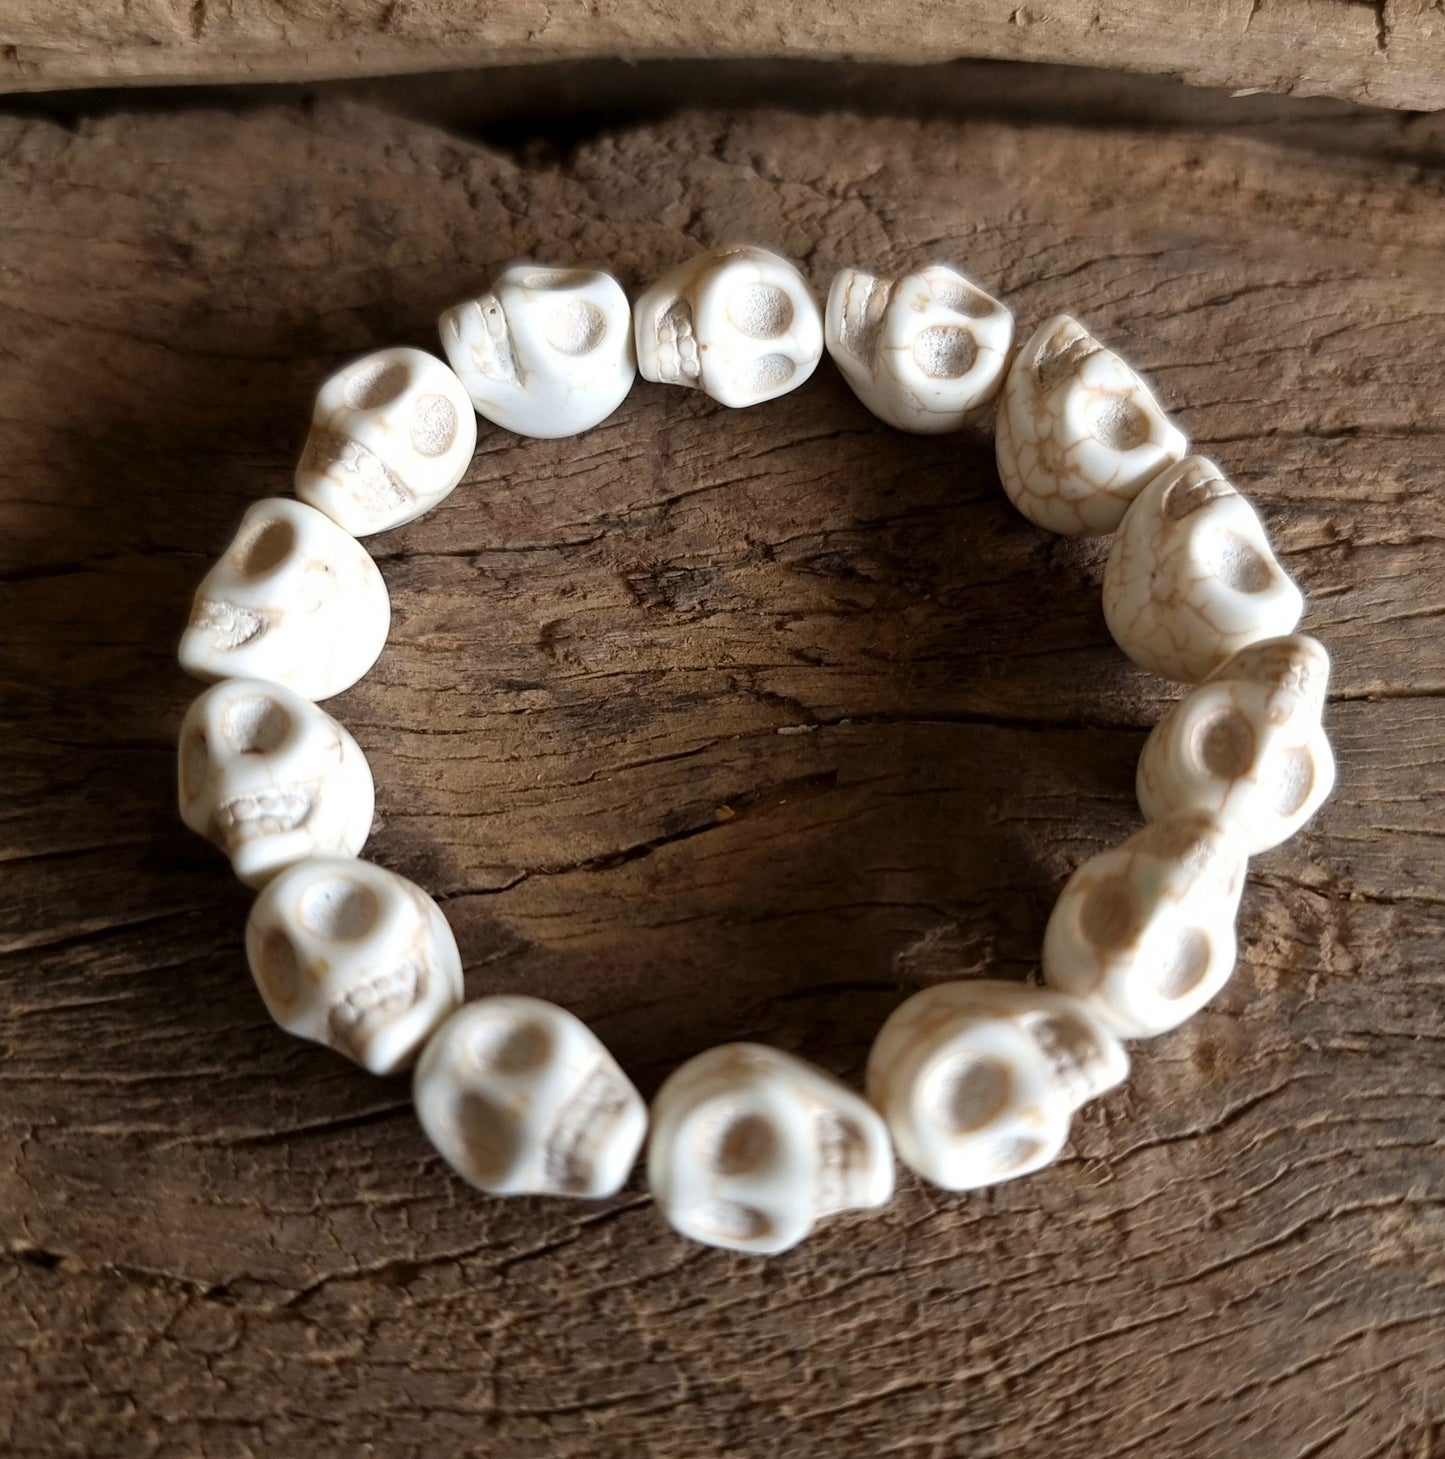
<point>434,425</point>
<point>256,725</point>
<point>1116,422</point>
<point>761,311</point>
<point>505,1046</point>
<point>376,383</point>
<point>339,909</point>
<point>269,548</point>
<point>576,328</point>
<point>1225,745</point>
<point>746,1143</point>
<point>968,1094</point>
<point>945,351</point>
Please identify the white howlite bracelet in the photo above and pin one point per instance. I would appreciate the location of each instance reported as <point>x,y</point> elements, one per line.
<point>973,1081</point>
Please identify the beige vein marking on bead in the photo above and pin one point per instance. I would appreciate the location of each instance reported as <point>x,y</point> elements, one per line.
<point>1191,576</point>
<point>1078,433</point>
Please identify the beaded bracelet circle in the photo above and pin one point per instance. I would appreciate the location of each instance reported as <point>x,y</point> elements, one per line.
<point>972,1082</point>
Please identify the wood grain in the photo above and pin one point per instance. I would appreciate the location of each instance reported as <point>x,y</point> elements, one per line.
<point>1384,52</point>
<point>709,725</point>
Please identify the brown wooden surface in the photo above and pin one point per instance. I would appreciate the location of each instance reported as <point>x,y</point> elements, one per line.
<point>711,725</point>
<point>1385,52</point>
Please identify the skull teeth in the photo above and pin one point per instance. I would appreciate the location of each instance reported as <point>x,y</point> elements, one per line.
<point>678,362</point>
<point>232,626</point>
<point>359,470</point>
<point>581,1129</point>
<point>360,1014</point>
<point>268,812</point>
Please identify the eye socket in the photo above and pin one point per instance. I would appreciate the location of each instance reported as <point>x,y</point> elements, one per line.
<point>767,372</point>
<point>1225,744</point>
<point>556,278</point>
<point>1069,1045</point>
<point>1182,966</point>
<point>487,1136</point>
<point>433,425</point>
<point>576,328</point>
<point>960,296</point>
<point>1116,422</point>
<point>339,909</point>
<point>761,311</point>
<point>279,968</point>
<point>1013,1155</point>
<point>944,351</point>
<point>376,383</point>
<point>256,725</point>
<point>1111,917</point>
<point>1297,780</point>
<point>968,1093</point>
<point>1239,565</point>
<point>510,1046</point>
<point>746,1143</point>
<point>269,548</point>
<point>729,1221</point>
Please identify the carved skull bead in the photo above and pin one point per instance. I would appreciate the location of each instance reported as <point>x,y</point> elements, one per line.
<point>1078,432</point>
<point>355,957</point>
<point>925,351</point>
<point>979,1081</point>
<point>740,324</point>
<point>521,1098</point>
<point>391,436</point>
<point>293,599</point>
<point>1246,745</point>
<point>1191,577</point>
<point>548,352</point>
<point>271,779</point>
<point>1143,935</point>
<point>750,1146</point>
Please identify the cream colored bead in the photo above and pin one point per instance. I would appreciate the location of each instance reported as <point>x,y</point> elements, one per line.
<point>1143,935</point>
<point>979,1081</point>
<point>521,1098</point>
<point>750,1146</point>
<point>1191,577</point>
<point>739,324</point>
<point>293,599</point>
<point>391,436</point>
<point>1247,745</point>
<point>547,352</point>
<point>924,351</point>
<point>354,957</point>
<point>271,779</point>
<point>1078,433</point>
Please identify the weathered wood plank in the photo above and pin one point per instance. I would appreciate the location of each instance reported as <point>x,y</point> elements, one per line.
<point>709,724</point>
<point>1384,52</point>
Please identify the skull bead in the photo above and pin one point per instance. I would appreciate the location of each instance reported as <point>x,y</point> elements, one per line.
<point>521,1098</point>
<point>740,324</point>
<point>1191,577</point>
<point>548,352</point>
<point>1078,432</point>
<point>925,352</point>
<point>1246,746</point>
<point>355,957</point>
<point>750,1146</point>
<point>293,599</point>
<point>979,1081</point>
<point>271,779</point>
<point>391,436</point>
<point>1143,935</point>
